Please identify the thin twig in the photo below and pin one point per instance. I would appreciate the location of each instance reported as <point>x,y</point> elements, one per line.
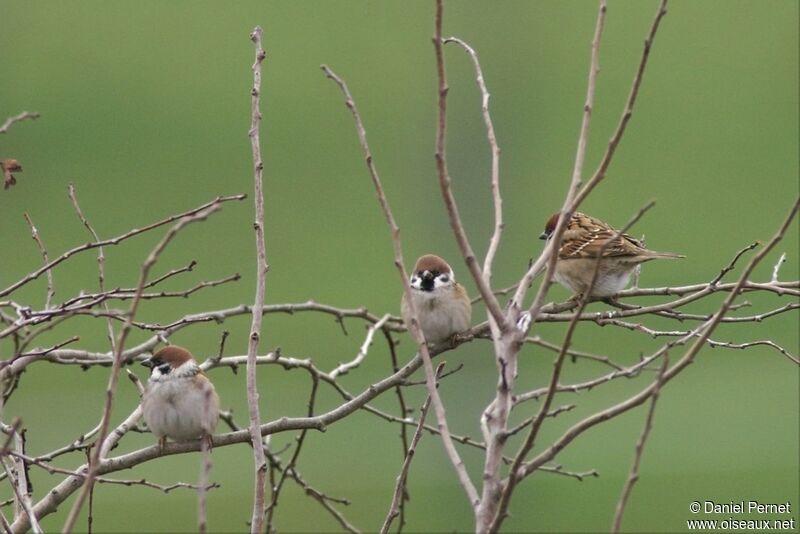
<point>326,501</point>
<point>706,328</point>
<point>633,475</point>
<point>400,483</point>
<point>777,268</point>
<point>404,411</point>
<point>51,290</point>
<point>344,368</point>
<point>416,331</point>
<point>290,466</point>
<point>25,115</point>
<point>731,264</point>
<point>117,361</point>
<point>627,113</point>
<point>497,199</point>
<point>549,255</point>
<point>115,241</point>
<point>205,470</point>
<point>23,498</point>
<point>101,260</point>
<point>492,304</point>
<point>530,440</point>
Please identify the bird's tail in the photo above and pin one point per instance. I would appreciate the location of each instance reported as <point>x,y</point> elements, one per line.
<point>665,255</point>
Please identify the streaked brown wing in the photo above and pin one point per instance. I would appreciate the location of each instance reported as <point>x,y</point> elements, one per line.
<point>587,237</point>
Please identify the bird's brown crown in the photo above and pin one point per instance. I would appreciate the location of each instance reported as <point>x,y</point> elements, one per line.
<point>175,356</point>
<point>432,263</point>
<point>550,227</point>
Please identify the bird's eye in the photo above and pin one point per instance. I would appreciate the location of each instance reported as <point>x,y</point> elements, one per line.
<point>164,368</point>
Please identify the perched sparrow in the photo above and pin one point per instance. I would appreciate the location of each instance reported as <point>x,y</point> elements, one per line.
<point>442,305</point>
<point>581,245</point>
<point>180,402</point>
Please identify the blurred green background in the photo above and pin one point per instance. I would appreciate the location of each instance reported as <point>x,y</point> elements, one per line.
<point>145,107</point>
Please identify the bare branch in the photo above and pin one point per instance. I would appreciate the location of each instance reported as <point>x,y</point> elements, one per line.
<point>205,470</point>
<point>415,329</point>
<point>259,495</point>
<point>536,425</point>
<point>404,411</point>
<point>489,299</point>
<point>326,501</point>
<point>101,259</point>
<point>706,328</point>
<point>25,115</point>
<point>633,475</point>
<point>293,460</point>
<point>728,268</point>
<point>115,241</point>
<point>117,362</point>
<point>43,250</point>
<point>766,342</point>
<point>600,173</point>
<point>497,199</point>
<point>344,368</point>
<point>16,472</point>
<point>777,268</point>
<point>400,483</point>
<point>549,255</point>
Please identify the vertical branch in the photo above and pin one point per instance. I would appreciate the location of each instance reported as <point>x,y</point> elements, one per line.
<point>633,476</point>
<point>495,417</point>
<point>550,254</point>
<point>257,519</point>
<point>118,359</point>
<point>400,484</point>
<point>4,523</point>
<point>492,304</point>
<point>15,469</point>
<point>289,469</point>
<point>702,333</point>
<point>101,261</point>
<point>414,328</point>
<point>527,446</point>
<point>39,243</point>
<point>404,412</point>
<point>90,511</point>
<point>205,469</point>
<point>22,497</point>
<point>497,199</point>
<point>627,113</point>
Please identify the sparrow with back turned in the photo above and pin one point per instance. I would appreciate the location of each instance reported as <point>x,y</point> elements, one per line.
<point>442,305</point>
<point>586,239</point>
<point>180,402</point>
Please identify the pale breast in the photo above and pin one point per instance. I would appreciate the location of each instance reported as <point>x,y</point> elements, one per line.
<point>176,410</point>
<point>440,315</point>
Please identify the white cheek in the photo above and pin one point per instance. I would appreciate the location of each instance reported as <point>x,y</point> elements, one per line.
<point>415,282</point>
<point>438,282</point>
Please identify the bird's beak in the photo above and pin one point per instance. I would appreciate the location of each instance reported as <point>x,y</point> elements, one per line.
<point>543,236</point>
<point>427,275</point>
<point>148,363</point>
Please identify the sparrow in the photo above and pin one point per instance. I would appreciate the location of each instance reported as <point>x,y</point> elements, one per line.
<point>179,402</point>
<point>583,243</point>
<point>442,305</point>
